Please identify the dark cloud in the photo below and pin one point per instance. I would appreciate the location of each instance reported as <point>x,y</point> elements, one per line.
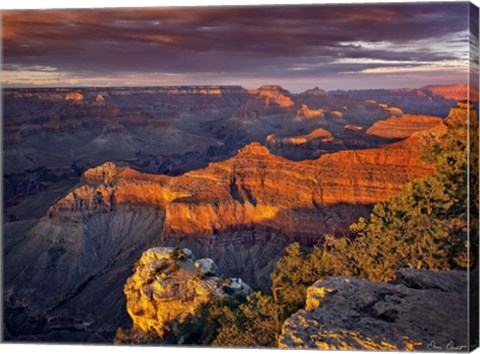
<point>262,41</point>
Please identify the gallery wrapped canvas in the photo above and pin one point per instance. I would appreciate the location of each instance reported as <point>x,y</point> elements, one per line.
<point>301,176</point>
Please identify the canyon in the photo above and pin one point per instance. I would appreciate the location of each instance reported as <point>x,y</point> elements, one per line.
<point>96,176</point>
<point>53,135</point>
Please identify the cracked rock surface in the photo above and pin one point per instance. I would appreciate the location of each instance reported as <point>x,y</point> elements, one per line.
<point>421,310</point>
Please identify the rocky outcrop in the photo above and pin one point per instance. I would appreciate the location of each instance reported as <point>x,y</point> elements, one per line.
<point>318,135</point>
<point>421,310</point>
<point>335,115</point>
<point>314,92</point>
<point>392,110</point>
<point>305,112</point>
<point>395,111</point>
<point>404,126</point>
<point>300,147</point>
<point>462,112</point>
<point>168,286</point>
<point>352,128</point>
<point>274,94</point>
<point>74,96</point>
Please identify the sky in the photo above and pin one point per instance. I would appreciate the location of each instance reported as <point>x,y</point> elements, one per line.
<point>297,47</point>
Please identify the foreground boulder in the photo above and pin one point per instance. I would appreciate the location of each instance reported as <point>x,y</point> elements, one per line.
<point>422,310</point>
<point>168,286</point>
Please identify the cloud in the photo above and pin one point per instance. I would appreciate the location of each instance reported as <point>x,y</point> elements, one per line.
<point>235,42</point>
<point>18,67</point>
<point>412,69</point>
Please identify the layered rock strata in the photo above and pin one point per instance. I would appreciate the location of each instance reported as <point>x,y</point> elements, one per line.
<point>403,127</point>
<point>254,188</point>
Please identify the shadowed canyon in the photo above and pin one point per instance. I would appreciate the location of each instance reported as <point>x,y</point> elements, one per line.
<point>95,177</point>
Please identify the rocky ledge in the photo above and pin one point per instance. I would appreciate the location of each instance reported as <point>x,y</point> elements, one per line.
<point>421,310</point>
<point>168,285</point>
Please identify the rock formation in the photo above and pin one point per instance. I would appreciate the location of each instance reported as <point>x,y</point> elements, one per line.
<point>319,134</point>
<point>168,285</point>
<point>456,92</point>
<point>74,96</point>
<point>305,146</point>
<point>305,112</point>
<point>404,126</point>
<point>254,188</point>
<point>274,94</point>
<point>314,92</point>
<point>395,111</point>
<point>335,115</point>
<point>429,100</point>
<point>462,112</point>
<point>353,128</point>
<point>421,310</point>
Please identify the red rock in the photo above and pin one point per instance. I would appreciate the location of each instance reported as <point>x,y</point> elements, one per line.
<point>275,94</point>
<point>456,92</point>
<point>305,112</point>
<point>256,189</point>
<point>74,96</point>
<point>403,126</point>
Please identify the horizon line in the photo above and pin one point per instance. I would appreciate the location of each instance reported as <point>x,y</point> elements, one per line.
<point>221,85</point>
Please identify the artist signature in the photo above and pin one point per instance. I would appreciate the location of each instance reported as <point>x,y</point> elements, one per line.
<point>450,346</point>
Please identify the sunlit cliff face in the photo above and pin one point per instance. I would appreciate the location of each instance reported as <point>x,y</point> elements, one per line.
<point>256,188</point>
<point>404,126</point>
<point>298,47</point>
